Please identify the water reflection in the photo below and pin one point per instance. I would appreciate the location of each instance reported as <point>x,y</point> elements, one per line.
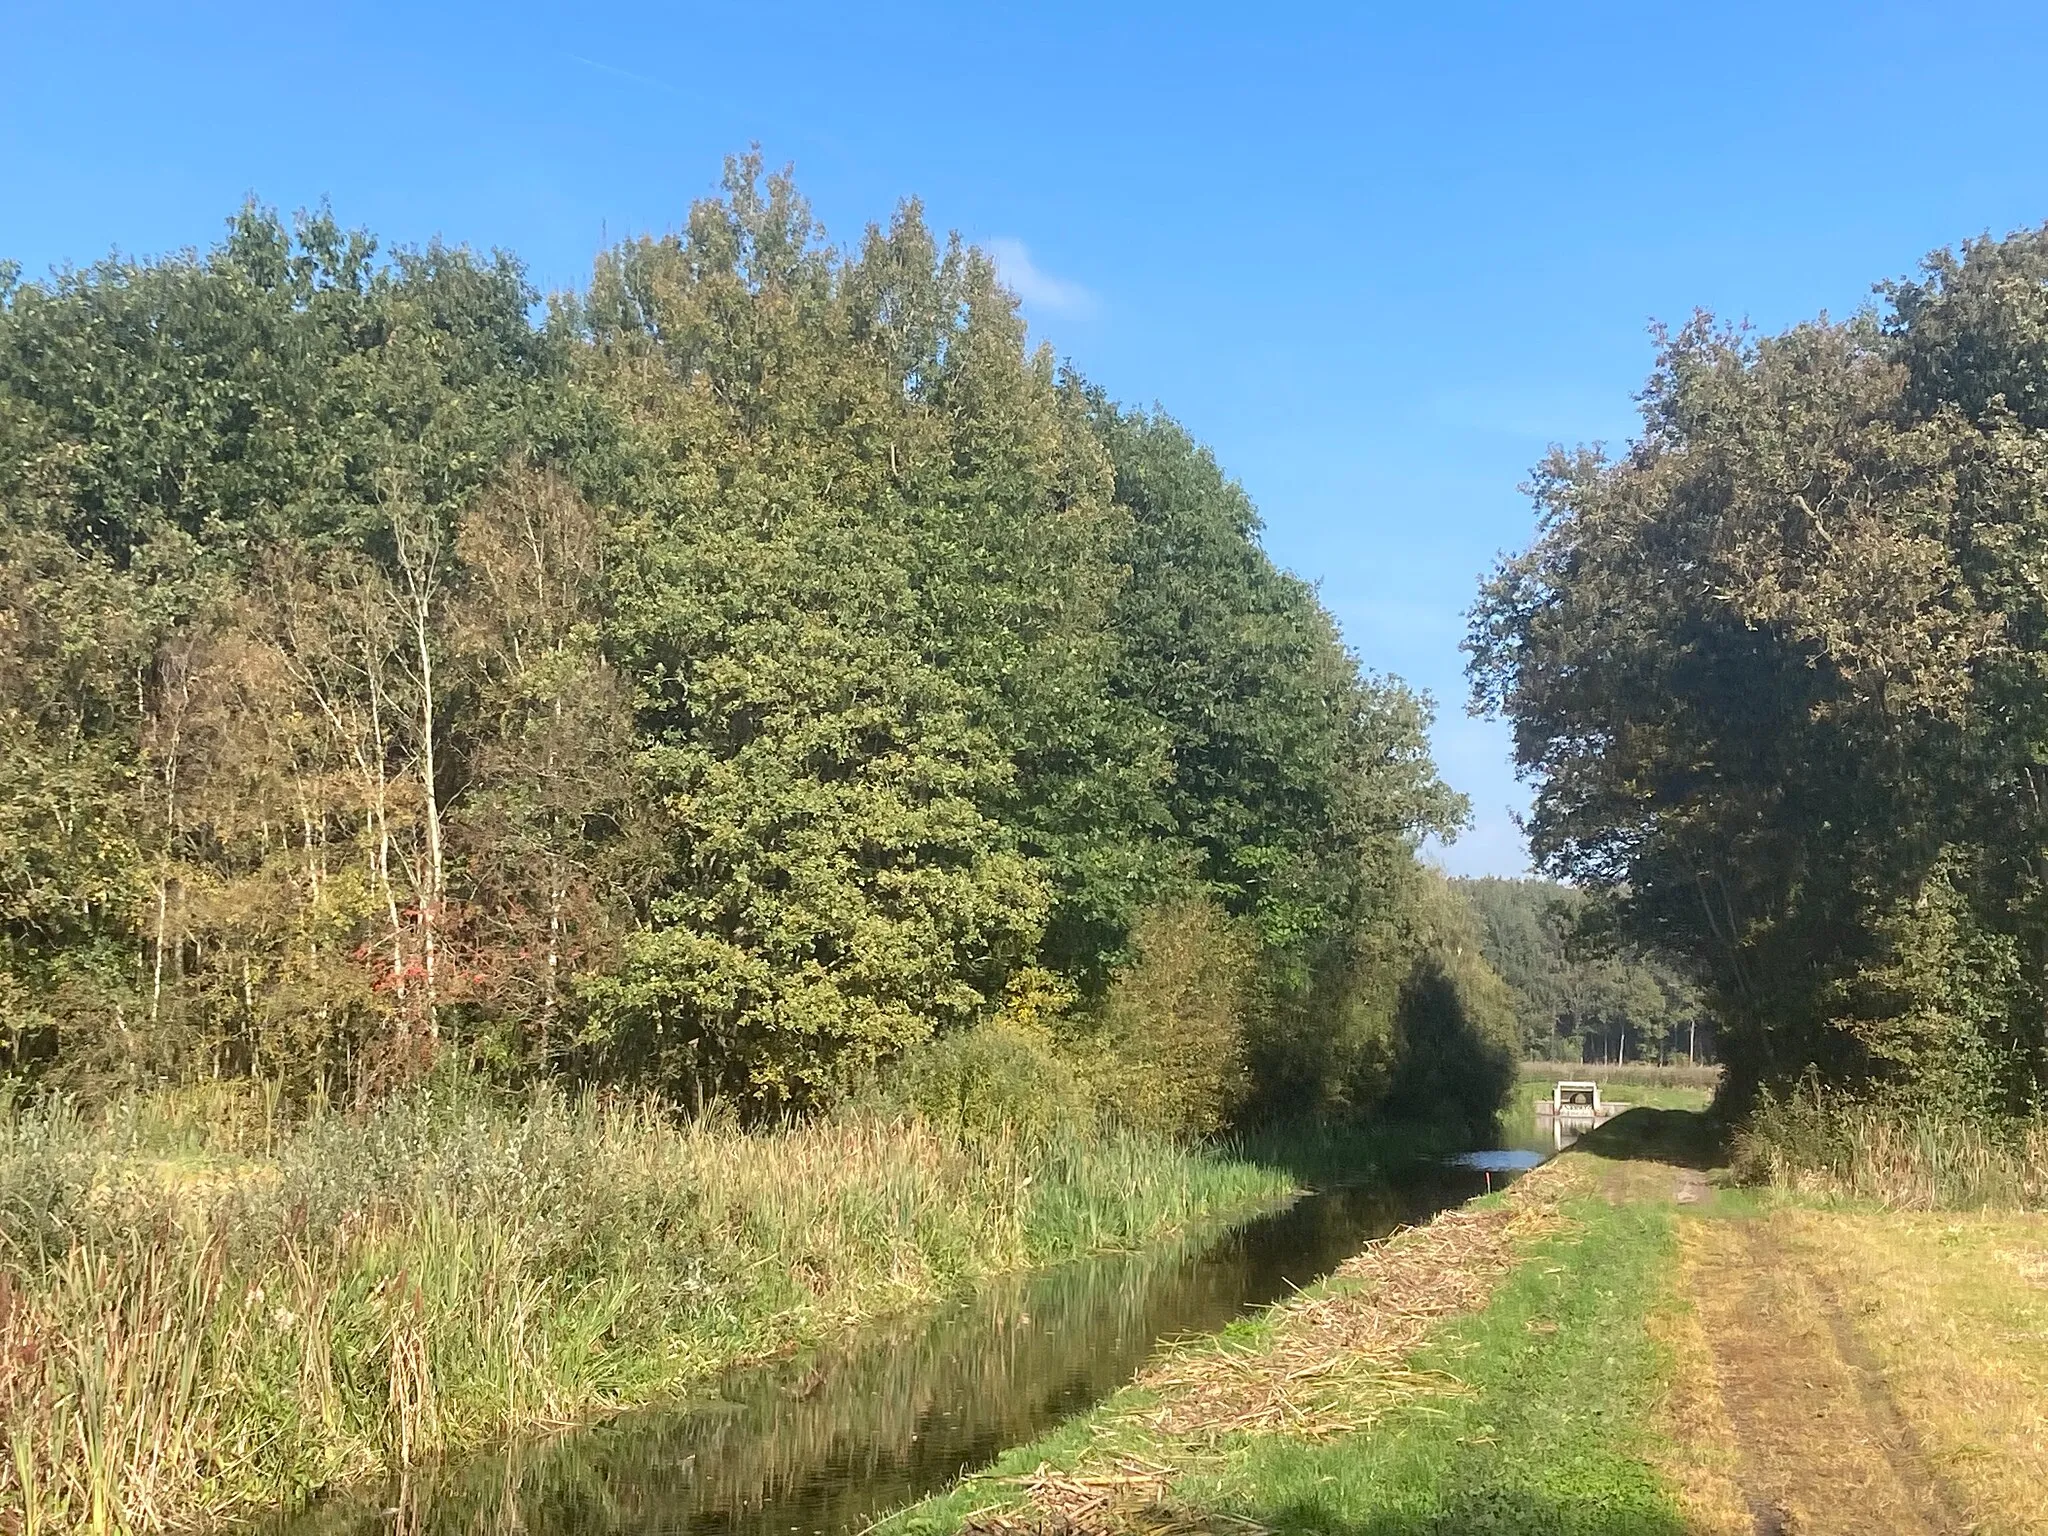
<point>824,1443</point>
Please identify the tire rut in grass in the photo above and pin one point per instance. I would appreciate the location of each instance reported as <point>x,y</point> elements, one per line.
<point>1823,1448</point>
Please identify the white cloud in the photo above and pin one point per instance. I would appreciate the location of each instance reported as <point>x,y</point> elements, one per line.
<point>1034,285</point>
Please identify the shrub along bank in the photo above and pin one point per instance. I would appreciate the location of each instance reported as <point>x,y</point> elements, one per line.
<point>203,1309</point>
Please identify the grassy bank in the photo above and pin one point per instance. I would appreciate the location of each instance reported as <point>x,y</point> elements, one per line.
<point>203,1309</point>
<point>1682,1092</point>
<point>1494,1371</point>
<point>1627,1341</point>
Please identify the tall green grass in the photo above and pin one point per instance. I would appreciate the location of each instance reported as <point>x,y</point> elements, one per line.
<point>1905,1157</point>
<point>204,1307</point>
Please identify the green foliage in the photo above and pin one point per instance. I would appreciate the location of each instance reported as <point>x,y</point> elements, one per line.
<point>808,543</point>
<point>1577,989</point>
<point>1455,1028</point>
<point>1777,674</point>
<point>998,1078</point>
<point>766,667</point>
<point>220,476</point>
<point>1299,786</point>
<point>1172,1052</point>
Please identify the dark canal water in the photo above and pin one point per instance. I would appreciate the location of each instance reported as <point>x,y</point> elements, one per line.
<point>820,1445</point>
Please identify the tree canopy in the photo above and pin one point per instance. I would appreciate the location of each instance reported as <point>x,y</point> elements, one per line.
<point>1777,674</point>
<point>1581,992</point>
<point>760,664</point>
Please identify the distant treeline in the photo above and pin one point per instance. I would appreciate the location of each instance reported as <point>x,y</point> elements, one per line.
<point>1780,673</point>
<point>1578,993</point>
<point>761,664</point>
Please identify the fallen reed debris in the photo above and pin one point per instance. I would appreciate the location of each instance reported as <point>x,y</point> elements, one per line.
<point>1129,1494</point>
<point>1336,1362</point>
<point>1332,1363</point>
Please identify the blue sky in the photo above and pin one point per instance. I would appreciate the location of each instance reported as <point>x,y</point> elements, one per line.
<point>1379,257</point>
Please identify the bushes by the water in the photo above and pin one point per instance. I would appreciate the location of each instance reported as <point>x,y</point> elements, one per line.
<point>1001,1078</point>
<point>202,1306</point>
<point>1173,1024</point>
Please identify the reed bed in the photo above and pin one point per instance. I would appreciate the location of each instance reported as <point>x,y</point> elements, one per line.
<point>204,1308</point>
<point>1902,1157</point>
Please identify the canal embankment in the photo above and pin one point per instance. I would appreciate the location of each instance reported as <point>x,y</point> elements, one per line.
<point>830,1438</point>
<point>208,1309</point>
<point>1625,1340</point>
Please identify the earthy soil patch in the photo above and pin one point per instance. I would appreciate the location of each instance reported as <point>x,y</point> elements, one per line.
<point>1700,1456</point>
<point>1942,1307</point>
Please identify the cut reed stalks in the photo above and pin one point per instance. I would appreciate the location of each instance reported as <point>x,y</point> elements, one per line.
<point>1331,1362</point>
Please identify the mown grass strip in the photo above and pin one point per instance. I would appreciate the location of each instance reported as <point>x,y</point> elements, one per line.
<point>1533,1414</point>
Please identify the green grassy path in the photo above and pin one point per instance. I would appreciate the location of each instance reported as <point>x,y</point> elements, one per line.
<point>1548,1428</point>
<point>1550,1436</point>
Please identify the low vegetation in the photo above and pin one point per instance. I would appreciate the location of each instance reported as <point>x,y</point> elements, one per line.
<point>206,1303</point>
<point>1419,1389</point>
<point>1950,1313</point>
<point>1626,1079</point>
<point>1903,1156</point>
<point>1625,1341</point>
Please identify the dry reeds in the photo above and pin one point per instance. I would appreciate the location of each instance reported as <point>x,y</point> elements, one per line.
<point>1127,1495</point>
<point>192,1324</point>
<point>1902,1157</point>
<point>1330,1363</point>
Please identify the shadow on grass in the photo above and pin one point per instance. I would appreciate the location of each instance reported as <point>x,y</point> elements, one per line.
<point>1329,1155</point>
<point>1480,1512</point>
<point>1486,1511</point>
<point>1690,1138</point>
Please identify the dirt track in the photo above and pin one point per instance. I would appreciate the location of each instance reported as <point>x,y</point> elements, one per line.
<point>1818,1444</point>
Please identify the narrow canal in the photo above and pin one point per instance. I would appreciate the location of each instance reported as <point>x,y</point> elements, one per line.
<point>820,1445</point>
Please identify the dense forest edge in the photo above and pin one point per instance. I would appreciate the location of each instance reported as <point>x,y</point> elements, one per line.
<point>554,845</point>
<point>758,666</point>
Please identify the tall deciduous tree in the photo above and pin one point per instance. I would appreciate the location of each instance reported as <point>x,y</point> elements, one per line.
<point>762,664</point>
<point>1776,673</point>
